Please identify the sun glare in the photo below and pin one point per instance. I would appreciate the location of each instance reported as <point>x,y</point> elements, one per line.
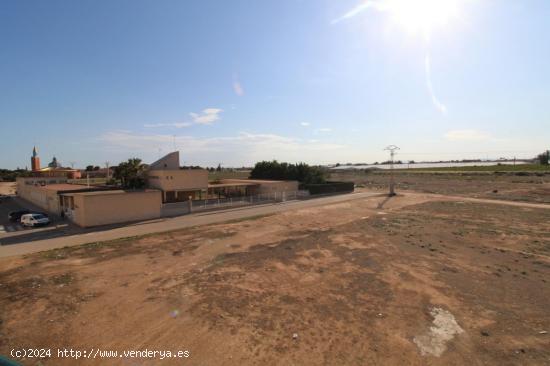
<point>421,15</point>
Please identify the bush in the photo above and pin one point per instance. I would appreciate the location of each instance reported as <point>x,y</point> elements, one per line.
<point>544,158</point>
<point>10,175</point>
<point>301,172</point>
<point>330,187</point>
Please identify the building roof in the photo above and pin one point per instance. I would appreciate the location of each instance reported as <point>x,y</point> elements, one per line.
<point>111,191</point>
<point>57,169</point>
<point>235,184</point>
<point>257,181</point>
<point>66,187</point>
<point>170,161</point>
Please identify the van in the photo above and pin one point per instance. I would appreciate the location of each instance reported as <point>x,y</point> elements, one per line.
<point>34,219</point>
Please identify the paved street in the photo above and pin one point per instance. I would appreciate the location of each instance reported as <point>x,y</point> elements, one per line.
<point>71,235</point>
<point>13,229</point>
<point>52,239</point>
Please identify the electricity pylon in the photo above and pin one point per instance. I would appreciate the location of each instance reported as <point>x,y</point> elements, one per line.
<point>391,149</point>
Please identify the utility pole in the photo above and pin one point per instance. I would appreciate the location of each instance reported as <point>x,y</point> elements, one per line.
<point>107,166</point>
<point>392,149</point>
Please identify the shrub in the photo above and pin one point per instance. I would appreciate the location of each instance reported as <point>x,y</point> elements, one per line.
<point>330,187</point>
<point>544,157</point>
<point>301,172</point>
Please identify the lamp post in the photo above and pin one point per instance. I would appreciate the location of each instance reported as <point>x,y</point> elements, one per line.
<point>392,149</point>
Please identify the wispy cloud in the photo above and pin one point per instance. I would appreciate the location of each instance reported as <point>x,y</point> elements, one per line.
<point>175,125</point>
<point>305,124</point>
<point>207,116</point>
<point>467,135</point>
<point>324,129</point>
<point>242,148</point>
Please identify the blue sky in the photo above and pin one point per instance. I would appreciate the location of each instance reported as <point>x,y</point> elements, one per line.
<point>240,81</point>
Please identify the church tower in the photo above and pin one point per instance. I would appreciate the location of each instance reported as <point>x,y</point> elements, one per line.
<point>35,160</point>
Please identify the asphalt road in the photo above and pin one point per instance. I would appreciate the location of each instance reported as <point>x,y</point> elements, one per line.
<point>71,235</point>
<point>12,229</point>
<point>59,238</point>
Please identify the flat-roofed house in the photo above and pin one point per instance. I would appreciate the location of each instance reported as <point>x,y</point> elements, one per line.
<point>46,192</point>
<point>177,184</point>
<point>94,208</point>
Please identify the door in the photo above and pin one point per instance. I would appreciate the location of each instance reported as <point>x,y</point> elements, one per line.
<point>170,196</point>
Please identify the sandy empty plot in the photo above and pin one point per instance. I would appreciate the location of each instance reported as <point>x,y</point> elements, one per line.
<point>416,282</point>
<point>7,188</point>
<point>524,187</point>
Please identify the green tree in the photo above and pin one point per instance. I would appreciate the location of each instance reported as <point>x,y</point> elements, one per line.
<point>10,175</point>
<point>131,174</point>
<point>285,171</point>
<point>544,157</point>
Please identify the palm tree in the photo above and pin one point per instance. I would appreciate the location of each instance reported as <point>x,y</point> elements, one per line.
<point>131,173</point>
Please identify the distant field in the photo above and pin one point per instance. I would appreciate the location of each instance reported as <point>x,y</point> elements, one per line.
<point>485,168</point>
<point>241,174</point>
<point>527,186</point>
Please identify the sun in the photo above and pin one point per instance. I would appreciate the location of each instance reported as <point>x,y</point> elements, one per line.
<point>421,15</point>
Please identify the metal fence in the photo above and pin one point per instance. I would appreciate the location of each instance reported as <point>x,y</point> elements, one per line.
<point>181,208</point>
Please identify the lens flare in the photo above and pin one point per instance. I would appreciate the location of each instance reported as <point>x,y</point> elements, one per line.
<point>422,15</point>
<point>414,16</point>
<point>174,313</point>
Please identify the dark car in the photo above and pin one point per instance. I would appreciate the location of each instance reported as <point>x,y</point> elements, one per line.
<point>16,215</point>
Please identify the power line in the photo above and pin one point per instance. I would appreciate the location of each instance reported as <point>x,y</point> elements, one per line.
<point>391,149</point>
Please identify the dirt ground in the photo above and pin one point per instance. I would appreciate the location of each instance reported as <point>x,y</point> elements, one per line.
<point>402,281</point>
<point>513,186</point>
<point>7,188</point>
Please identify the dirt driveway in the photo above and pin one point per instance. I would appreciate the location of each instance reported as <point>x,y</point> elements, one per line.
<point>417,281</point>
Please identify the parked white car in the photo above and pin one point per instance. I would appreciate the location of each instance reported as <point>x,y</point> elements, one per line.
<point>34,219</point>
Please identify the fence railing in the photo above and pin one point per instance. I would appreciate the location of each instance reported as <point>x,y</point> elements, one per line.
<point>86,181</point>
<point>181,208</point>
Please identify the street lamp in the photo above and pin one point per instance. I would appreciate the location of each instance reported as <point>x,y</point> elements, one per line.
<point>391,149</point>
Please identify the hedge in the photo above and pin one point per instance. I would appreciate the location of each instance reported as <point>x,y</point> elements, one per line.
<point>330,187</point>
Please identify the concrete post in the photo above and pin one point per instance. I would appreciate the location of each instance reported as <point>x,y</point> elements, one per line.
<point>190,204</point>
